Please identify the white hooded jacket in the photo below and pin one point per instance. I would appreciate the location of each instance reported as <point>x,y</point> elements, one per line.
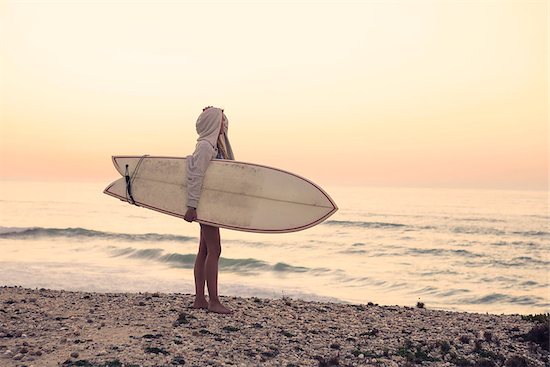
<point>208,126</point>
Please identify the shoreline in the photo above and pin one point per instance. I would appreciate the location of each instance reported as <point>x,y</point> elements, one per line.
<point>41,327</point>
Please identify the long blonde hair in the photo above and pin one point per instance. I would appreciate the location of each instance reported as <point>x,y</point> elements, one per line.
<point>224,147</point>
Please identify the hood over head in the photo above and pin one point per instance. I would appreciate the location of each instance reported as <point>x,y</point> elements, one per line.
<point>208,125</point>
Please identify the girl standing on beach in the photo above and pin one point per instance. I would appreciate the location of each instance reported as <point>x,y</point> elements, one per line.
<point>213,142</point>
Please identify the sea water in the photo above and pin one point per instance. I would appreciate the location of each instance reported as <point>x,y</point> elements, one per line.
<point>453,249</point>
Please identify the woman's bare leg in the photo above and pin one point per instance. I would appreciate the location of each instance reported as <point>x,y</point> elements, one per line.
<point>211,236</point>
<point>200,278</point>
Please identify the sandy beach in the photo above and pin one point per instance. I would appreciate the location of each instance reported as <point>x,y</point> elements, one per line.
<point>40,327</point>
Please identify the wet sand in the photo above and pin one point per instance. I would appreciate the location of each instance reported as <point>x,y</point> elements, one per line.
<point>40,327</point>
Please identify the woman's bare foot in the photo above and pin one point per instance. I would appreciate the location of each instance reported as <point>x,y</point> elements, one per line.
<point>217,307</point>
<point>200,303</point>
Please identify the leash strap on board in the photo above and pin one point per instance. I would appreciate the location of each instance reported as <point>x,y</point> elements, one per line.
<point>129,195</point>
<point>130,181</point>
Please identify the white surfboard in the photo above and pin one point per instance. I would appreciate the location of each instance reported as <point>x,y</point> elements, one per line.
<point>235,195</point>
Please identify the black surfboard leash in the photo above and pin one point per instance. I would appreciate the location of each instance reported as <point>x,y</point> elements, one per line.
<point>130,181</point>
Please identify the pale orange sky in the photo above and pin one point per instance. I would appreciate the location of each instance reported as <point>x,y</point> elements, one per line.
<point>398,93</point>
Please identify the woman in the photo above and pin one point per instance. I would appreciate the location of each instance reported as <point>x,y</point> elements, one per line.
<point>212,143</point>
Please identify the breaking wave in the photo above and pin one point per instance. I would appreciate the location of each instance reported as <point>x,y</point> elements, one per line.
<point>187,261</point>
<point>82,233</point>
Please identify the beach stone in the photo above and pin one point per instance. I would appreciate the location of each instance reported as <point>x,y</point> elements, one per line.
<point>74,354</point>
<point>178,361</point>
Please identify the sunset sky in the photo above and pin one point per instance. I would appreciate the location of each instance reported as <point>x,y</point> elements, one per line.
<point>385,93</point>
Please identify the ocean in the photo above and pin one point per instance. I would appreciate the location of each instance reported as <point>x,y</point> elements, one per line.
<point>453,249</point>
